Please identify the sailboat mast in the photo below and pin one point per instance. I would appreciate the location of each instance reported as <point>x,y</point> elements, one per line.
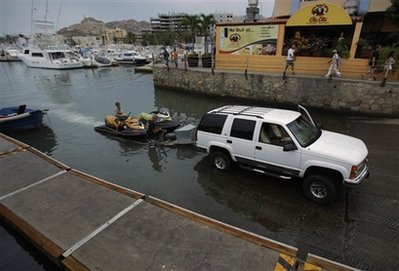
<point>45,14</point>
<point>31,19</point>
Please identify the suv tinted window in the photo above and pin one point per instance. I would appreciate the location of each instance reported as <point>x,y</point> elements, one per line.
<point>212,123</point>
<point>243,129</point>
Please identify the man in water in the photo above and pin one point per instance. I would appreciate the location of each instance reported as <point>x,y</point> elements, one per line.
<point>154,132</point>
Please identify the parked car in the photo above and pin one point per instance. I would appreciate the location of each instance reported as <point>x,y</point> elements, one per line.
<point>285,144</point>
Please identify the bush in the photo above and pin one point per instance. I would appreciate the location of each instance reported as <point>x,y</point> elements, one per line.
<point>193,55</point>
<point>193,59</point>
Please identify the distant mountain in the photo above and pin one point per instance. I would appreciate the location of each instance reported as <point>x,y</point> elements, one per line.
<point>92,27</point>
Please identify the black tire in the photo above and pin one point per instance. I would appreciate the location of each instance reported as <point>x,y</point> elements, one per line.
<point>319,189</point>
<point>221,160</point>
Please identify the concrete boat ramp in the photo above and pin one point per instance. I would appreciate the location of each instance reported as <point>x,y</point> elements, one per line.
<point>84,223</point>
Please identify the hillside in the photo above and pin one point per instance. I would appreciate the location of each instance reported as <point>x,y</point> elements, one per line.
<point>92,27</point>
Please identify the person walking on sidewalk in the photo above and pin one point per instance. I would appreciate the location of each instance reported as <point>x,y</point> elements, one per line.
<point>372,63</point>
<point>166,57</point>
<point>391,59</point>
<point>290,60</point>
<point>175,56</point>
<point>335,60</point>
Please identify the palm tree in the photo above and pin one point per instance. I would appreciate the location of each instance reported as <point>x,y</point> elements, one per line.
<point>191,22</point>
<point>207,21</point>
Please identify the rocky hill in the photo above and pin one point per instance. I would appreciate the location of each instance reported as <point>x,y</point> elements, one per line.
<point>92,27</point>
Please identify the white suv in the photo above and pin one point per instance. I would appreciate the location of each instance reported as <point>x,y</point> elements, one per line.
<point>285,144</point>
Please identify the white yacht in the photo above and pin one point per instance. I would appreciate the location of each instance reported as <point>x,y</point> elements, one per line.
<point>10,54</point>
<point>131,57</point>
<point>58,59</point>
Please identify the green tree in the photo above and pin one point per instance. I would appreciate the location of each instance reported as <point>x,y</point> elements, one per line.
<point>191,24</point>
<point>131,38</point>
<point>149,39</point>
<point>393,11</point>
<point>206,22</point>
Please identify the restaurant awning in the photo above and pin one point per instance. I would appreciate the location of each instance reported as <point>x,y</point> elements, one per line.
<point>320,14</point>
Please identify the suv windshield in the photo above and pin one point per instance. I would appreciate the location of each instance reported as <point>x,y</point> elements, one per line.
<point>304,131</point>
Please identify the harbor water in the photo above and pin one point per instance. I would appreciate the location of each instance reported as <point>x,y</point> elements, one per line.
<point>78,100</point>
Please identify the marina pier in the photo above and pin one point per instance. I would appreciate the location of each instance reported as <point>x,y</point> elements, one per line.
<point>82,222</point>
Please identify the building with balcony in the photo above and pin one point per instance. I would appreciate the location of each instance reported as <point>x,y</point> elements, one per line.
<point>223,17</point>
<point>109,36</point>
<point>168,22</point>
<point>173,21</point>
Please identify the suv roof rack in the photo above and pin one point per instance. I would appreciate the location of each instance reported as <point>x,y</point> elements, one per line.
<point>252,111</point>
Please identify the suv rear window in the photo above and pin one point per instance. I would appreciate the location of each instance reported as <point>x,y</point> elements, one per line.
<point>212,123</point>
<point>243,129</point>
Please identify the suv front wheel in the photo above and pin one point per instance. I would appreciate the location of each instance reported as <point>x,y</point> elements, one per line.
<point>220,160</point>
<point>319,189</point>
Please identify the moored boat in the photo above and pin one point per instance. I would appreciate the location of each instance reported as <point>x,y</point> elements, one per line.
<point>58,59</point>
<point>20,118</point>
<point>10,54</point>
<point>131,57</point>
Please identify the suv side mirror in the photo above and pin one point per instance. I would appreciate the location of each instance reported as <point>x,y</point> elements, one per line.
<point>290,147</point>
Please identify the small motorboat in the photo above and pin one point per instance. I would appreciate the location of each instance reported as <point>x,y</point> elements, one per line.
<point>20,118</point>
<point>123,126</point>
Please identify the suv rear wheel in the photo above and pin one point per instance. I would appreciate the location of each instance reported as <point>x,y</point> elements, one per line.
<point>220,160</point>
<point>319,189</point>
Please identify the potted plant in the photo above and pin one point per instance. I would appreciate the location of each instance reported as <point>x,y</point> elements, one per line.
<point>193,59</point>
<point>345,54</point>
<point>365,48</point>
<point>206,60</point>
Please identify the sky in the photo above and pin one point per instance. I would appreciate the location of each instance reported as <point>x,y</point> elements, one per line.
<point>16,14</point>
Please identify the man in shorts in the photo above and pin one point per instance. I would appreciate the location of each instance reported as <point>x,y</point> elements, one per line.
<point>290,60</point>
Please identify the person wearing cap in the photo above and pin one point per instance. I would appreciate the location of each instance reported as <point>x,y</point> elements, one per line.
<point>334,65</point>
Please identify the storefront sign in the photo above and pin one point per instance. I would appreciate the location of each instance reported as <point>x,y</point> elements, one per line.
<point>320,14</point>
<point>248,39</point>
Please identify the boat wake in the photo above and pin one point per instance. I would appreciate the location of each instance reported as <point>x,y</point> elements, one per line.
<point>75,117</point>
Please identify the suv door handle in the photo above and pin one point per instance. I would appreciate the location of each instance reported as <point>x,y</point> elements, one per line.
<point>229,141</point>
<point>258,147</point>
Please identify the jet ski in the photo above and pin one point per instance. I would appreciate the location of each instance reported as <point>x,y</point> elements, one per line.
<point>164,121</point>
<point>124,126</point>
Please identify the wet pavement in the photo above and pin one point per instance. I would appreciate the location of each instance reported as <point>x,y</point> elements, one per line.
<point>360,229</point>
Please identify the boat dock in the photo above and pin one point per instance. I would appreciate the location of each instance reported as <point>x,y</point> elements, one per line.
<point>82,222</point>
